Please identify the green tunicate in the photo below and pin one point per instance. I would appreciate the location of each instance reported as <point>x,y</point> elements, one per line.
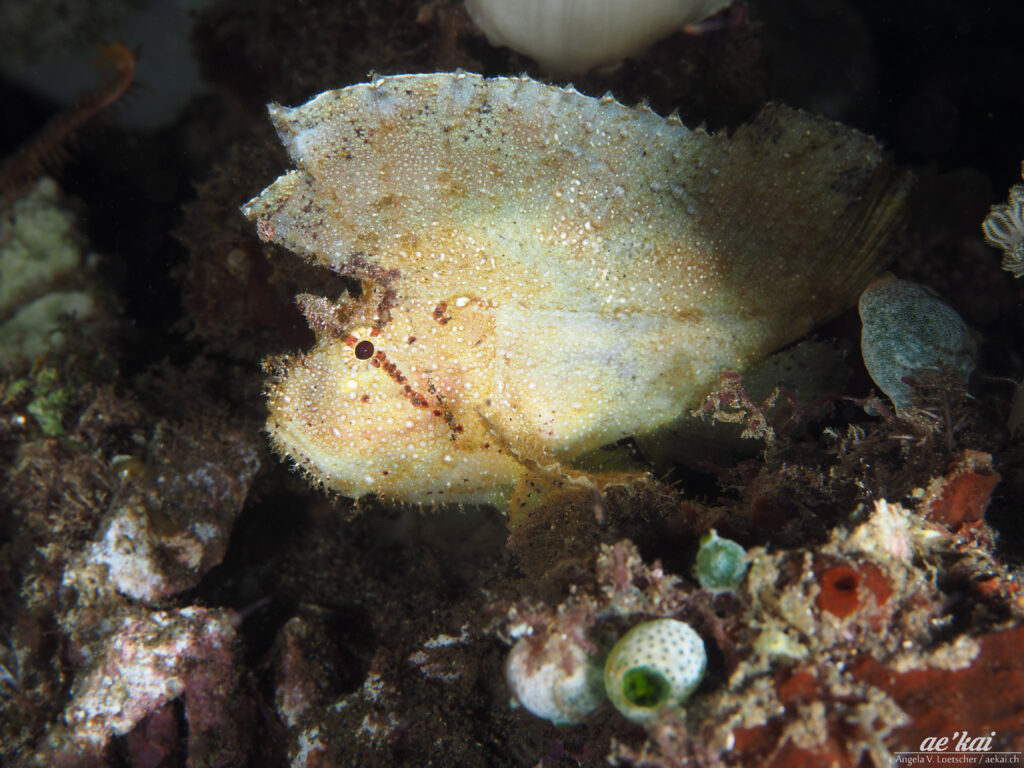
<point>721,563</point>
<point>910,335</point>
<point>653,669</point>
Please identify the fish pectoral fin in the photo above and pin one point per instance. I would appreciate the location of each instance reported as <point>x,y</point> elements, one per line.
<point>548,480</point>
<point>561,485</point>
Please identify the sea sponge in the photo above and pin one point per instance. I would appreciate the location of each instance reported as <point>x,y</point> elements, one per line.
<point>572,36</point>
<point>45,277</point>
<point>654,667</point>
<point>909,335</point>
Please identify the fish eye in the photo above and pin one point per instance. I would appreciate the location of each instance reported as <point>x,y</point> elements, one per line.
<point>364,350</point>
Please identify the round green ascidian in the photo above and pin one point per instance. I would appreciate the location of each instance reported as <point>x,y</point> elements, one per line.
<point>655,666</point>
<point>721,563</point>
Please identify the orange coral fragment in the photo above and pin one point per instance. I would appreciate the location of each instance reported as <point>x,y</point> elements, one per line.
<point>986,696</point>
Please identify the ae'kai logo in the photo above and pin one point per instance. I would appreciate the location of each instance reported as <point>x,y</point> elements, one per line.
<point>960,742</point>
<point>962,748</point>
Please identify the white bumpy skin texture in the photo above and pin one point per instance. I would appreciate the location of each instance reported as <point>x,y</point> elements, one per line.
<point>544,273</point>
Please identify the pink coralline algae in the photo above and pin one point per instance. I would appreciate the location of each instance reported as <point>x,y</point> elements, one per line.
<point>133,530</point>
<point>150,661</point>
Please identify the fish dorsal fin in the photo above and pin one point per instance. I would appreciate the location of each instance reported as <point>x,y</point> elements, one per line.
<point>464,182</point>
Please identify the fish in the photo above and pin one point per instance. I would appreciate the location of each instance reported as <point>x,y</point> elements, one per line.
<point>543,273</point>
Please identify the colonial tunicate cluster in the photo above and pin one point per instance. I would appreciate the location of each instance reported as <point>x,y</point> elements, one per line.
<point>544,273</point>
<point>909,336</point>
<point>651,670</point>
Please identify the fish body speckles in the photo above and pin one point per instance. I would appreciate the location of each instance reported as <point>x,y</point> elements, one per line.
<point>544,273</point>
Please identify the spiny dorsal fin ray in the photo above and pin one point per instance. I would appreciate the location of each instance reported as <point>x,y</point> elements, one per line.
<point>456,169</point>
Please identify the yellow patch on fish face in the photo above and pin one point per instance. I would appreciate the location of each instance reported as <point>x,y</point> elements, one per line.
<point>399,397</point>
<point>544,273</point>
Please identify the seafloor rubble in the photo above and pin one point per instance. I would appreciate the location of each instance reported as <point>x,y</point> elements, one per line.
<point>171,594</point>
